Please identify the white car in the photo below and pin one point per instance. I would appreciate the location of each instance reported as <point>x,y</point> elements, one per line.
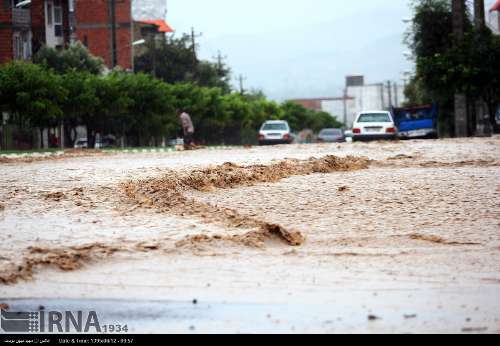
<point>81,143</point>
<point>275,132</point>
<point>374,125</point>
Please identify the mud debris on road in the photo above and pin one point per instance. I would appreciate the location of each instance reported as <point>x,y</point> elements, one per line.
<point>61,155</point>
<point>168,193</point>
<point>415,221</point>
<point>65,259</point>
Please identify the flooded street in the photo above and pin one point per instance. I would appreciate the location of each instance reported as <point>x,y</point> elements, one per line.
<point>357,237</point>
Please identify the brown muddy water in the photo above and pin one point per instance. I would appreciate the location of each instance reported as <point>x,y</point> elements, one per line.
<point>363,237</point>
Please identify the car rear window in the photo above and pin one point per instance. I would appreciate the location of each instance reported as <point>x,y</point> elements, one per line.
<point>374,118</point>
<point>275,127</point>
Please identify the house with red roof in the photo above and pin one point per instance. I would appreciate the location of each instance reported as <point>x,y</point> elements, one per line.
<point>121,46</point>
<point>27,25</point>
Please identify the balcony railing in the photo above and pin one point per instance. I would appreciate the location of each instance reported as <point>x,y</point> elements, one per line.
<point>21,18</point>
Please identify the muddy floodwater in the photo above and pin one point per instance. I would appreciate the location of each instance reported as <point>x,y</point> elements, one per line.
<point>398,237</point>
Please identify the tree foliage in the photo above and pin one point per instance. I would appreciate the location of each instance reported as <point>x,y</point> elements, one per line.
<point>174,62</point>
<point>31,95</point>
<point>140,108</point>
<point>75,58</point>
<point>445,66</point>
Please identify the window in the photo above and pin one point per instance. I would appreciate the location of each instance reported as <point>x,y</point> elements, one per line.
<point>22,45</point>
<point>18,47</point>
<point>57,15</point>
<point>374,118</point>
<point>58,19</point>
<point>58,30</point>
<point>275,127</point>
<point>26,45</point>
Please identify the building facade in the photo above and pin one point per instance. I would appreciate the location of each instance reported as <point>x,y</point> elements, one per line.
<point>26,26</point>
<point>108,28</point>
<point>94,20</point>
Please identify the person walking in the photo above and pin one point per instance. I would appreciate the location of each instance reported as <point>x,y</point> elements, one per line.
<point>187,129</point>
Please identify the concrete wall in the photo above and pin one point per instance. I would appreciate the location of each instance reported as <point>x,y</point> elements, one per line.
<point>335,108</point>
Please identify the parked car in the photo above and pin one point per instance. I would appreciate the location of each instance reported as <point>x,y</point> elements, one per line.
<point>374,125</point>
<point>103,143</point>
<point>331,136</point>
<point>175,142</point>
<point>81,143</point>
<point>275,132</point>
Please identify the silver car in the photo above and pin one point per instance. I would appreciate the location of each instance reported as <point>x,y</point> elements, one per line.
<point>331,136</point>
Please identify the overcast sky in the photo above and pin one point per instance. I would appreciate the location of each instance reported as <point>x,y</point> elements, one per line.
<point>300,48</point>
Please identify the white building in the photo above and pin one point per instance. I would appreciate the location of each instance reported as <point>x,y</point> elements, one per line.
<point>358,97</point>
<point>366,97</point>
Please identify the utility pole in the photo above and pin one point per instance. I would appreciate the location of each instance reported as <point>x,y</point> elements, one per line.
<point>345,108</point>
<point>458,14</point>
<point>382,95</point>
<point>112,19</point>
<point>396,95</point>
<point>195,58</point>
<point>389,90</point>
<point>220,63</point>
<point>241,79</point>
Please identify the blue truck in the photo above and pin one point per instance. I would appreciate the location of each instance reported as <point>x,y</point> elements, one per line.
<point>417,121</point>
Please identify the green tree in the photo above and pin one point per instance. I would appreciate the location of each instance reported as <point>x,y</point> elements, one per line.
<point>81,102</point>
<point>470,67</point>
<point>150,108</point>
<point>173,62</point>
<point>75,58</point>
<point>431,35</point>
<point>31,95</point>
<point>214,75</point>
